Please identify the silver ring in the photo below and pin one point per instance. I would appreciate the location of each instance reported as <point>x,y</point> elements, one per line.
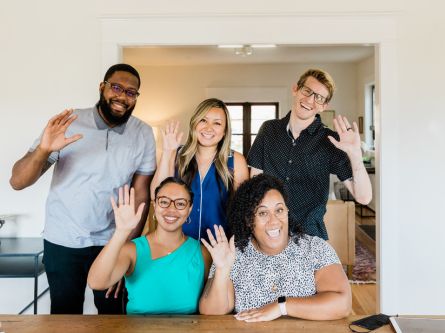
<point>349,128</point>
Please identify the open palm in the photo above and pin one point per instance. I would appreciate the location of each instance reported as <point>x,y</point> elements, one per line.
<point>53,138</point>
<point>171,136</point>
<point>221,250</point>
<point>349,137</point>
<point>126,218</point>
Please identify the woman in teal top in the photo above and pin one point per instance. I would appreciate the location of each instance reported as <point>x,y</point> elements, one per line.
<point>165,270</point>
<point>170,284</point>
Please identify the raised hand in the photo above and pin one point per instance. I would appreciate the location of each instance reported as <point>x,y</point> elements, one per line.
<point>126,218</point>
<point>349,136</point>
<point>171,136</point>
<point>53,138</point>
<point>221,250</point>
<point>267,312</point>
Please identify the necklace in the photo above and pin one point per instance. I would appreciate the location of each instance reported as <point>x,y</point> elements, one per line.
<point>176,247</point>
<point>271,271</point>
<point>206,164</point>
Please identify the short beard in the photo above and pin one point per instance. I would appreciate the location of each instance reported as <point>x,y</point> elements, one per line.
<point>110,118</point>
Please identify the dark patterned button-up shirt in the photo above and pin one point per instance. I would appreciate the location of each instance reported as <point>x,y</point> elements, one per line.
<point>304,165</point>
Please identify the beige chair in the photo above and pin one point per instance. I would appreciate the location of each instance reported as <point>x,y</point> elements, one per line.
<point>340,224</point>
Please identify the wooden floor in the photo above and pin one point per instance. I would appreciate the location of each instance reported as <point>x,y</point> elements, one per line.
<point>364,296</point>
<point>367,218</point>
<point>364,299</point>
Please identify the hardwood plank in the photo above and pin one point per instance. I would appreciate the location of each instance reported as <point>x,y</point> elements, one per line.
<point>364,299</point>
<point>169,324</point>
<point>364,296</point>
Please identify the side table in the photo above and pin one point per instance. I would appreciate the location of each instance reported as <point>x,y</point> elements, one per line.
<point>22,258</point>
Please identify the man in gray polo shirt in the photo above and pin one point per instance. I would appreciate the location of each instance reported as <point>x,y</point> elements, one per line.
<point>94,151</point>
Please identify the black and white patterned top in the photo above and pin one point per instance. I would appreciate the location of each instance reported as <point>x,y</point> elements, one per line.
<point>259,279</point>
<point>304,165</point>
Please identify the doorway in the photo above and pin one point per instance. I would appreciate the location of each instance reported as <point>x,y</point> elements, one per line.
<point>373,29</point>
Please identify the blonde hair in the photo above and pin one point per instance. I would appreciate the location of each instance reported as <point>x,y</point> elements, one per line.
<point>186,162</point>
<point>321,76</point>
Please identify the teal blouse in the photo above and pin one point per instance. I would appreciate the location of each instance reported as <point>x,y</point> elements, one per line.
<point>168,285</point>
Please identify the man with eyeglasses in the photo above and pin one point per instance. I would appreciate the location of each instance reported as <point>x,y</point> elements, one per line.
<point>94,151</point>
<point>302,152</point>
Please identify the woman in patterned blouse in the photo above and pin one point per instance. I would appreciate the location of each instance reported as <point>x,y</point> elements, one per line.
<point>264,271</point>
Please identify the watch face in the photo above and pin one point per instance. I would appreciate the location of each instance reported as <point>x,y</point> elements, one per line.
<point>281,299</point>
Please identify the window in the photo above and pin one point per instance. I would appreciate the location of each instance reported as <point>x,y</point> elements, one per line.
<point>246,119</point>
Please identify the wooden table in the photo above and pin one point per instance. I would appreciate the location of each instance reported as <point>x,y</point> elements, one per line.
<point>165,324</point>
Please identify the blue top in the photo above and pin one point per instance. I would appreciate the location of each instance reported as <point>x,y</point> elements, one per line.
<point>209,203</point>
<point>167,285</point>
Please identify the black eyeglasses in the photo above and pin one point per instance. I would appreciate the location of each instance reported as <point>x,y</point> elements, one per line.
<point>118,90</point>
<point>308,92</point>
<point>165,202</point>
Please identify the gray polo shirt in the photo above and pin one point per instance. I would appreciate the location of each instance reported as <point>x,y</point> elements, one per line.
<point>90,170</point>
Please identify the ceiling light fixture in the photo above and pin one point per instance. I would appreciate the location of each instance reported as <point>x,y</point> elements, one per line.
<point>238,46</point>
<point>244,51</point>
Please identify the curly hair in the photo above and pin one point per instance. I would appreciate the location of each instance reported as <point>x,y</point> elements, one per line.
<point>244,204</point>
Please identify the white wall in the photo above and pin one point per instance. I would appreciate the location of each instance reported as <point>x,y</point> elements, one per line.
<point>53,57</point>
<point>50,56</point>
<point>421,154</point>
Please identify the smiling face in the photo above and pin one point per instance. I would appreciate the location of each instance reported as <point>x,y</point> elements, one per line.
<point>116,108</point>
<point>271,226</point>
<point>304,107</point>
<point>211,128</point>
<point>171,218</point>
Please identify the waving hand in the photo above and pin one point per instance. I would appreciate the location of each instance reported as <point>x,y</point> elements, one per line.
<point>126,217</point>
<point>53,138</point>
<point>221,250</point>
<point>349,136</point>
<point>171,136</point>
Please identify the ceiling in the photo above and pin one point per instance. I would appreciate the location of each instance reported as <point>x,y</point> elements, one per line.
<point>211,54</point>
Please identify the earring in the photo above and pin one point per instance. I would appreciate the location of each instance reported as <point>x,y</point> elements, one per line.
<point>189,220</point>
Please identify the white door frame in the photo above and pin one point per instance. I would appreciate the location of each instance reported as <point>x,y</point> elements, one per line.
<point>298,29</point>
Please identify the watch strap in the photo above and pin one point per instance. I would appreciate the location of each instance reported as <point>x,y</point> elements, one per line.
<point>282,305</point>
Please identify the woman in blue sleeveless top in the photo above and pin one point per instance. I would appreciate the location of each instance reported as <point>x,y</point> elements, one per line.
<point>206,163</point>
<point>165,270</point>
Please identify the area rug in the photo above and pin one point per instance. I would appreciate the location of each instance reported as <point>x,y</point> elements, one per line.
<point>364,270</point>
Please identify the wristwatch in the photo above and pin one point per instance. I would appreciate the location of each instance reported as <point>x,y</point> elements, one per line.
<point>282,305</point>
